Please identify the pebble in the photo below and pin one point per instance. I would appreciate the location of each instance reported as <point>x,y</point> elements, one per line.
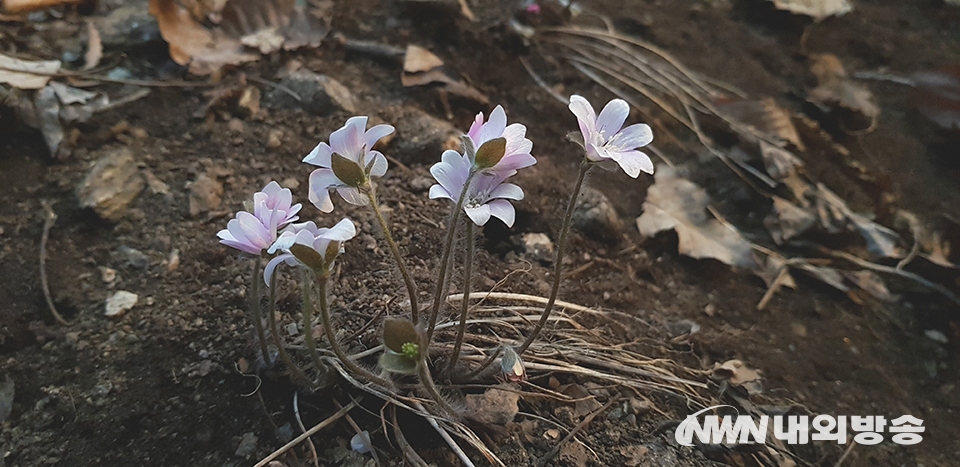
<point>205,195</point>
<point>132,257</point>
<point>111,185</point>
<point>421,137</point>
<point>274,138</point>
<point>596,217</point>
<point>319,94</point>
<point>248,444</point>
<point>537,246</point>
<point>118,303</point>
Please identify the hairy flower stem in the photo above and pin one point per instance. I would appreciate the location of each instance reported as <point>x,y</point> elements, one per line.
<point>465,303</point>
<point>411,287</point>
<point>257,312</point>
<point>335,345</point>
<point>281,349</point>
<point>308,322</point>
<point>558,264</point>
<point>438,295</point>
<point>427,380</point>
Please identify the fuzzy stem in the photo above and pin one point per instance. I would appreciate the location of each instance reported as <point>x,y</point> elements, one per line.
<point>281,349</point>
<point>438,296</point>
<point>411,287</point>
<point>465,303</point>
<point>308,322</point>
<point>257,312</point>
<point>558,265</point>
<point>335,345</point>
<point>427,380</point>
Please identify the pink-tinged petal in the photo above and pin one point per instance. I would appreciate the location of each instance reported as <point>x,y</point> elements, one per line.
<point>343,231</point>
<point>375,134</point>
<point>515,162</point>
<point>596,153</point>
<point>322,180</point>
<point>437,191</point>
<point>321,200</point>
<point>475,128</point>
<point>494,126</point>
<point>272,266</point>
<point>379,164</point>
<point>516,142</point>
<point>452,172</point>
<point>585,114</point>
<point>253,231</point>
<point>291,215</point>
<point>503,210</point>
<point>353,196</point>
<point>634,162</point>
<point>348,141</point>
<point>283,243</point>
<point>632,137</point>
<point>612,117</point>
<point>320,155</point>
<point>479,215</point>
<point>507,191</point>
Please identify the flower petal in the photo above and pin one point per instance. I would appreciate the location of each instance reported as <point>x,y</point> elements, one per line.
<point>253,231</point>
<point>515,162</point>
<point>586,116</point>
<point>612,117</point>
<point>479,215</point>
<point>379,164</point>
<point>507,191</point>
<point>633,162</point>
<point>343,231</point>
<point>320,155</point>
<point>353,196</point>
<point>632,137</point>
<point>375,134</point>
<point>475,128</point>
<point>348,141</point>
<point>322,180</point>
<point>437,191</point>
<point>494,126</point>
<point>503,210</point>
<point>452,172</point>
<point>272,266</point>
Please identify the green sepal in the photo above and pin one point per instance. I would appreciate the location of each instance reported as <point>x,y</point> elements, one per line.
<point>308,256</point>
<point>397,363</point>
<point>490,153</point>
<point>348,171</point>
<point>398,332</point>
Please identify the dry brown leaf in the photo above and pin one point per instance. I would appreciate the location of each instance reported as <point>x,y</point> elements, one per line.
<point>779,162</point>
<point>871,283</point>
<point>837,92</point>
<point>738,374</point>
<point>816,9</point>
<point>94,47</point>
<point>787,220</point>
<point>191,44</point>
<point>776,274</point>
<point>836,216</point>
<point>766,117</point>
<point>418,60</point>
<point>25,6</point>
<point>674,203</point>
<point>269,25</point>
<point>16,72</point>
<point>930,242</point>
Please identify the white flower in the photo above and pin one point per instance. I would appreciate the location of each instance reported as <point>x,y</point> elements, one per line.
<point>323,245</point>
<point>347,163</point>
<point>516,151</point>
<point>487,195</point>
<point>603,138</point>
<point>252,233</point>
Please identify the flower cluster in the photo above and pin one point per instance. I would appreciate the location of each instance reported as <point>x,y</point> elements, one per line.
<point>253,233</point>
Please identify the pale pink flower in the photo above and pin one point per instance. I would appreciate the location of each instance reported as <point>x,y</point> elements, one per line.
<point>605,139</point>
<point>326,242</point>
<point>354,143</point>
<point>517,154</point>
<point>487,195</point>
<point>253,233</point>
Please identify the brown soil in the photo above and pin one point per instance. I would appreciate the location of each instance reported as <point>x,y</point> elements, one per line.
<point>160,385</point>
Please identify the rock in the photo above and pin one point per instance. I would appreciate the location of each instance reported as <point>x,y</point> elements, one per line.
<point>537,246</point>
<point>493,407</point>
<point>205,195</point>
<point>111,185</point>
<point>420,137</point>
<point>132,257</point>
<point>319,94</point>
<point>248,444</point>
<point>274,138</point>
<point>128,27</point>
<point>120,302</point>
<point>595,216</point>
<point>421,183</point>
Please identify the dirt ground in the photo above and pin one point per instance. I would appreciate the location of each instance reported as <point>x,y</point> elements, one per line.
<point>161,386</point>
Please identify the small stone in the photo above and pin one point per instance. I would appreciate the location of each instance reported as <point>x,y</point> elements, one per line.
<point>936,336</point>
<point>421,137</point>
<point>120,302</point>
<point>132,257</point>
<point>290,183</point>
<point>421,183</point>
<point>319,94</point>
<point>248,444</point>
<point>710,310</point>
<point>537,246</point>
<point>274,139</point>
<point>108,275</point>
<point>173,261</point>
<point>640,406</point>
<point>595,216</point>
<point>235,125</point>
<point>552,434</point>
<point>493,407</point>
<point>111,185</point>
<point>799,329</point>
<point>156,186</point>
<point>292,329</point>
<point>205,195</point>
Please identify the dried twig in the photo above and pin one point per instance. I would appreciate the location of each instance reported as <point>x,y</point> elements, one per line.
<point>586,421</point>
<point>49,218</point>
<point>296,413</point>
<point>319,426</point>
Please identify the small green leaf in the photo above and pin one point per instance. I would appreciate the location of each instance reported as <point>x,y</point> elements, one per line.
<point>308,256</point>
<point>348,171</point>
<point>397,363</point>
<point>397,332</point>
<point>490,153</point>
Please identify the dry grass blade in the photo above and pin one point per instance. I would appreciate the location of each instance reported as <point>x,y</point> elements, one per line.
<point>299,439</point>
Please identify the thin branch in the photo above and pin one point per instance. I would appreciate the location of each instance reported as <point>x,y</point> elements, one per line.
<point>319,426</point>
<point>50,218</point>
